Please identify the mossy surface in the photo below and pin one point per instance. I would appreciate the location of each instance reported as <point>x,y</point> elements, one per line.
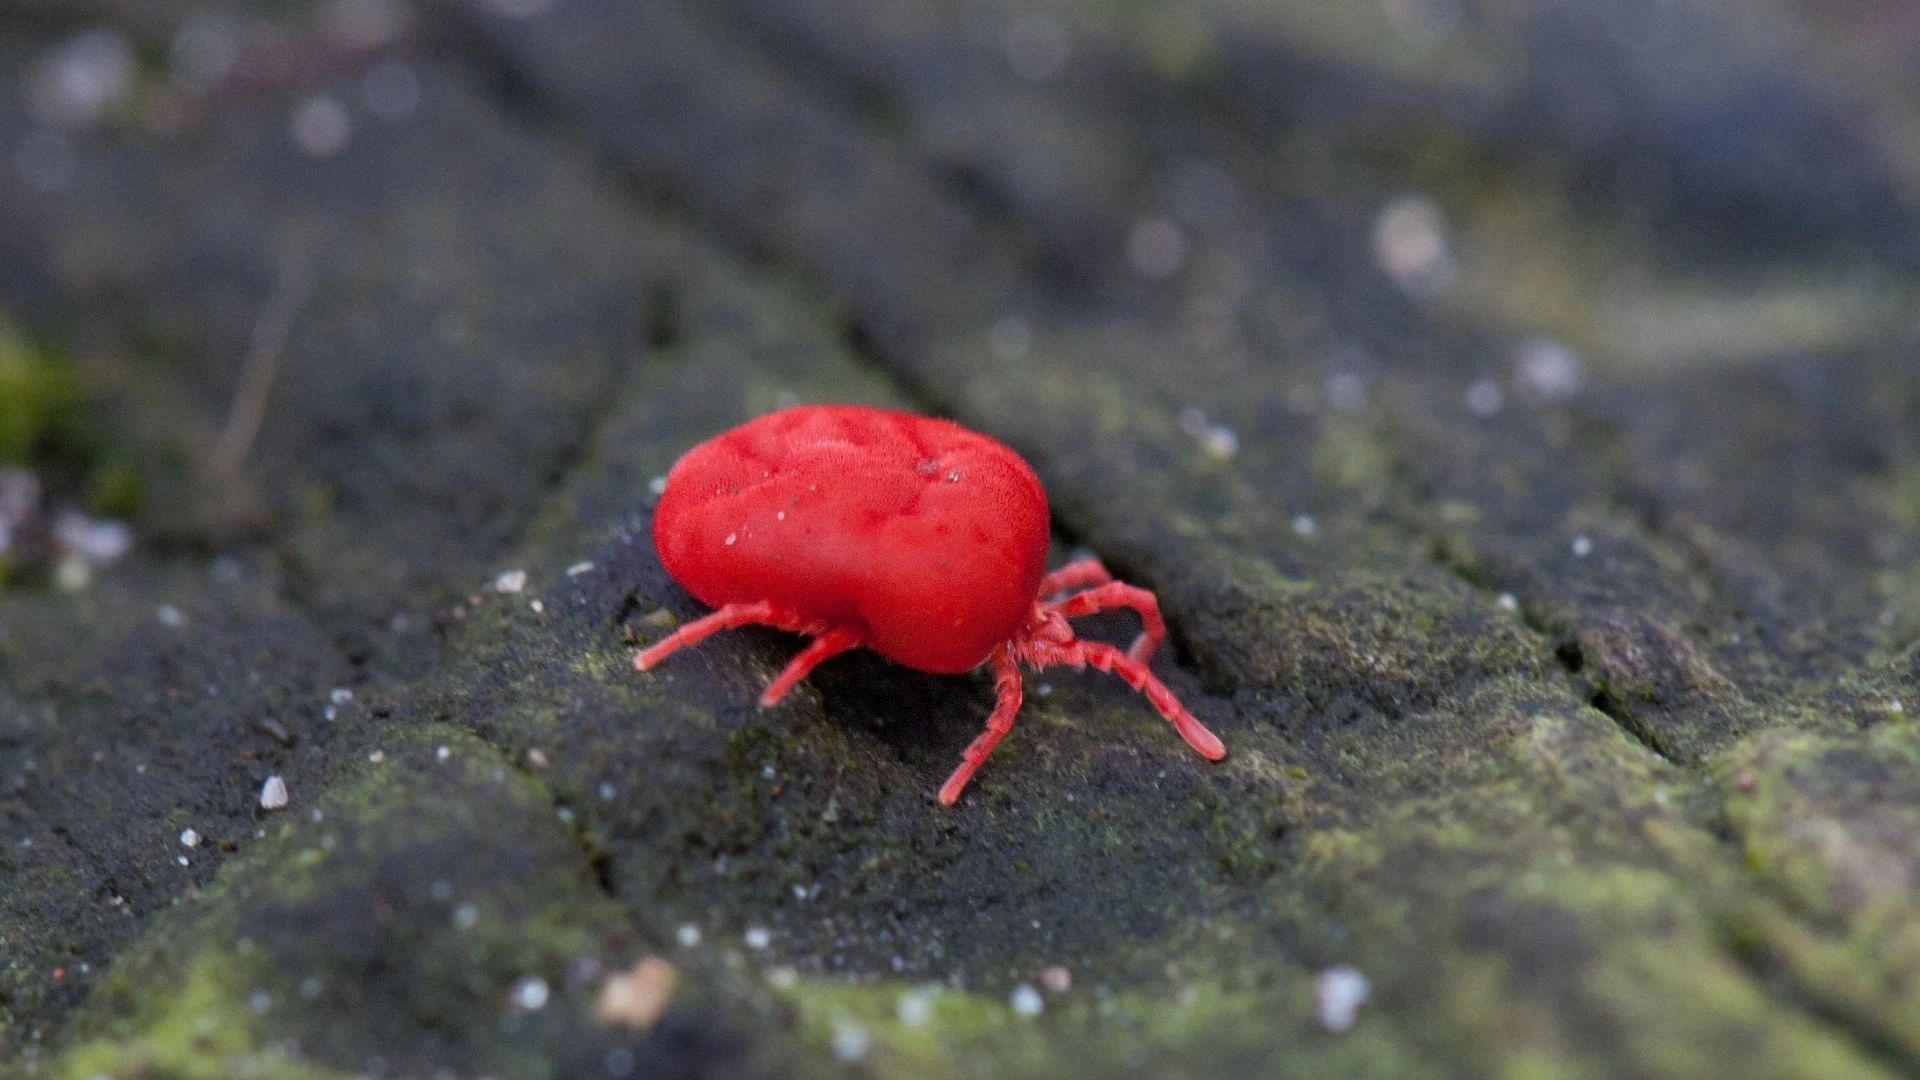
<point>1567,706</point>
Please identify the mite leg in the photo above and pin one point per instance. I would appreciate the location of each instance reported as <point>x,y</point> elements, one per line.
<point>730,617</point>
<point>1006,683</point>
<point>1114,594</point>
<point>832,643</point>
<point>1075,575</point>
<point>1108,658</point>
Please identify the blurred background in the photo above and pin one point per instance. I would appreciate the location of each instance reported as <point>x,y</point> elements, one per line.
<point>1513,403</point>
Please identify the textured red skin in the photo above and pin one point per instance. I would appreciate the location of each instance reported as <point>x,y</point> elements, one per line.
<point>930,538</point>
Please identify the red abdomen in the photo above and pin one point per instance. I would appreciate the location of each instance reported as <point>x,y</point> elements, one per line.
<point>931,538</point>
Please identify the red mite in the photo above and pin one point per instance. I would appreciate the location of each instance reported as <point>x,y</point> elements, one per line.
<point>910,536</point>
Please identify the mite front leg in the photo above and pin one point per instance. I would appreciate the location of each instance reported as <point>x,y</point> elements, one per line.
<point>730,617</point>
<point>832,643</point>
<point>1006,670</point>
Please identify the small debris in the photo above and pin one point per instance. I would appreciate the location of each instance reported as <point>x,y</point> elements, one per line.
<point>579,568</point>
<point>538,758</point>
<point>189,838</point>
<point>465,917</point>
<point>637,998</point>
<point>441,753</point>
<point>83,81</point>
<point>783,977</point>
<point>1547,370</point>
<point>377,756</point>
<point>1509,602</point>
<point>757,937</point>
<point>320,126</point>
<point>537,607</point>
<point>850,1040</point>
<point>1346,391</point>
<point>73,574</point>
<point>915,1007</point>
<point>688,935</point>
<point>1485,399</point>
<point>1582,546</point>
<point>273,793</point>
<point>1410,245</point>
<point>340,695</point>
<point>1056,978</point>
<point>1338,994</point>
<point>1304,525</point>
<point>511,581</point>
<point>530,993</point>
<point>170,616</point>
<point>1217,440</point>
<point>1026,1000</point>
<point>657,485</point>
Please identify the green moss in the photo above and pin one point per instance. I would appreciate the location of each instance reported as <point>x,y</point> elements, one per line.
<point>201,1028</point>
<point>934,1032</point>
<point>37,395</point>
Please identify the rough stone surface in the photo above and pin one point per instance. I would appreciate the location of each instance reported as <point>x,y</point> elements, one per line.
<point>1514,407</point>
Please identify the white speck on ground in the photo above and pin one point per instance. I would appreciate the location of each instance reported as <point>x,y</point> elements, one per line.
<point>320,126</point>
<point>1026,1000</point>
<point>1338,993</point>
<point>1304,525</point>
<point>915,1007</point>
<point>1410,245</point>
<point>530,993</point>
<point>170,616</point>
<point>1056,978</point>
<point>1485,399</point>
<point>511,581</point>
<point>1509,602</point>
<point>757,937</point>
<point>1582,547</point>
<point>189,838</point>
<point>1346,391</point>
<point>688,935</point>
<point>850,1040</point>
<point>1547,370</point>
<point>273,793</point>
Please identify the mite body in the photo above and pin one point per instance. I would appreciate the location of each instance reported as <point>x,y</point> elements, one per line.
<point>903,534</point>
